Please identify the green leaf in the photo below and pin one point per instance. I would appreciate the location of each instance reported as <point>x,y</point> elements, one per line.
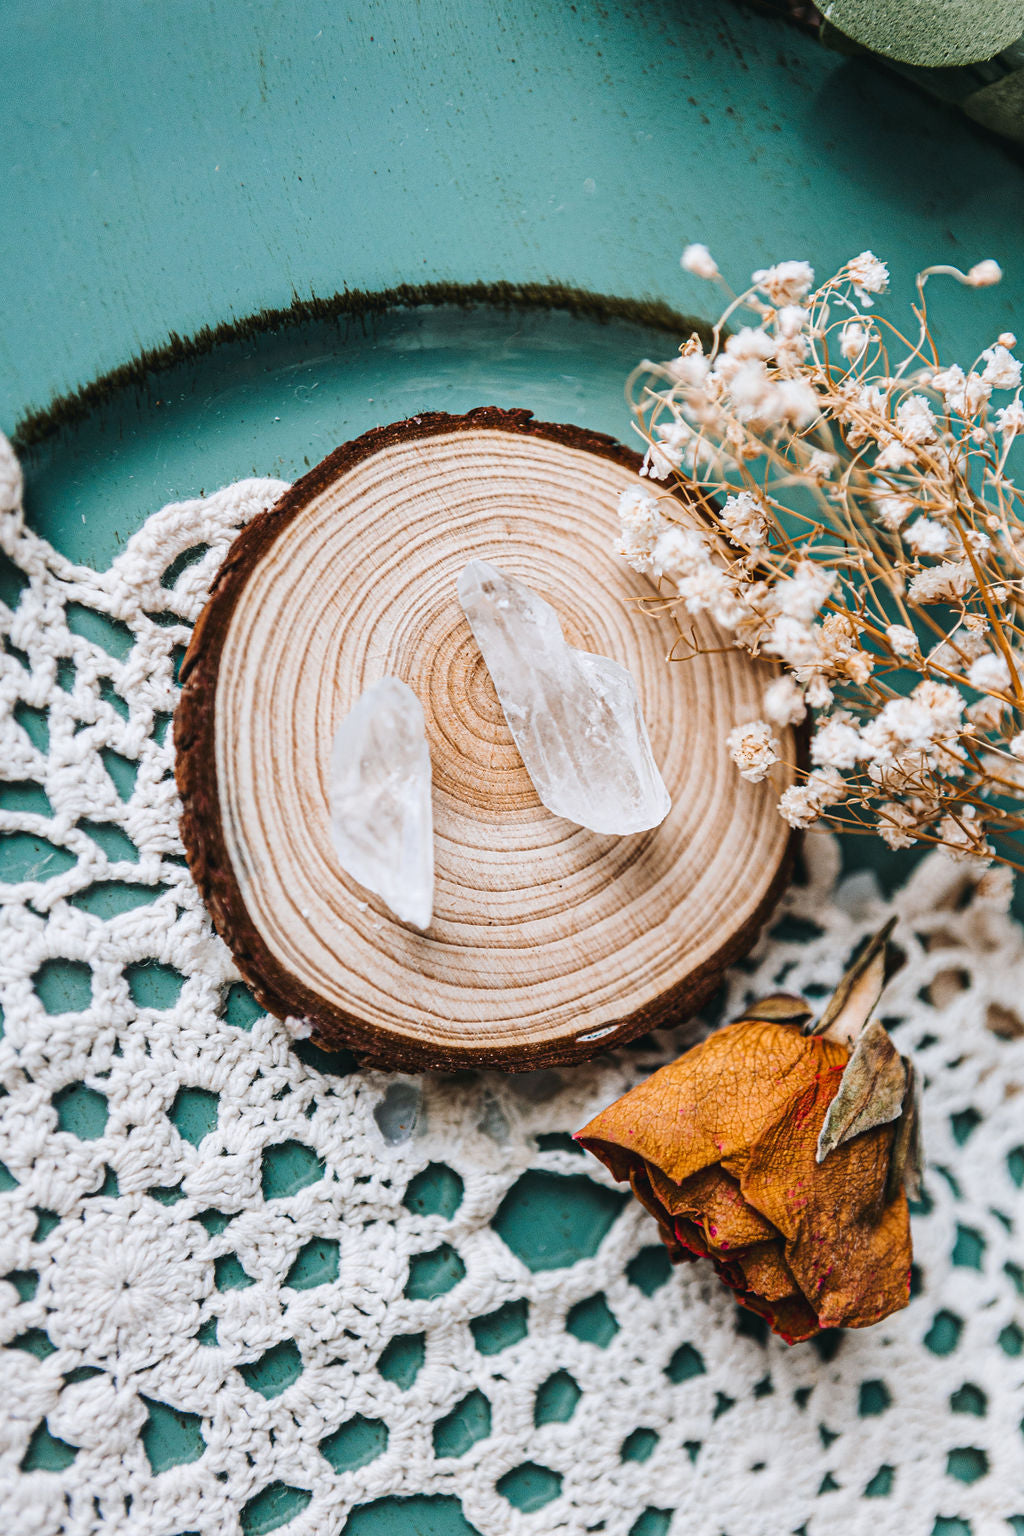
<point>930,32</point>
<point>1000,106</point>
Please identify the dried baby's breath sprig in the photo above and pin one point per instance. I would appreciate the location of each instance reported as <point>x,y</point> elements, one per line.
<point>858,529</point>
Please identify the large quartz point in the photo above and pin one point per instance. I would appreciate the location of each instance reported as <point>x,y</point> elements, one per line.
<point>575,717</point>
<point>381,820</point>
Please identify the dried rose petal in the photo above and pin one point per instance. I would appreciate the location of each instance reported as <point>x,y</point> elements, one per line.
<point>720,1146</point>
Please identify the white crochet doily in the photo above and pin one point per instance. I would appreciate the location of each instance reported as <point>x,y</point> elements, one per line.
<point>213,1238</point>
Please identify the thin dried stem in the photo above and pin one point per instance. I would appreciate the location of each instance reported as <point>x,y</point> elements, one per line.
<point>841,502</point>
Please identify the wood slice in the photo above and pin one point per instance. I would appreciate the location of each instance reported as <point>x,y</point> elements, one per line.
<point>548,941</point>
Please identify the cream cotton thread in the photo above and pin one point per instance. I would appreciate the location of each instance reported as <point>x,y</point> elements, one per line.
<point>750,1443</point>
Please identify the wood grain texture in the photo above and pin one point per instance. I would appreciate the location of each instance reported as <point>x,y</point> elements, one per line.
<point>548,942</point>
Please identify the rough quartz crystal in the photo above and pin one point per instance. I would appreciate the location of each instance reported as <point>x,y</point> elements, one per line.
<point>575,717</point>
<point>381,819</point>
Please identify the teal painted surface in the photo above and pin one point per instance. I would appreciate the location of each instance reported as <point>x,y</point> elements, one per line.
<point>46,1453</point>
<point>422,1515</point>
<point>551,1220</point>
<point>271,1508</point>
<point>171,1436</point>
<point>500,1329</point>
<point>459,1430</point>
<point>355,1443</point>
<point>168,167</point>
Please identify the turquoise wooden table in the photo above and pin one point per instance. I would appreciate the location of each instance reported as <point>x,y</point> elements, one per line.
<point>238,234</point>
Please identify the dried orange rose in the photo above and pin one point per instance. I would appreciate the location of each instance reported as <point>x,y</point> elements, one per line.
<point>738,1152</point>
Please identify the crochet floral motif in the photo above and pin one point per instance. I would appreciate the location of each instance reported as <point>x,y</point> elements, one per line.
<point>251,1287</point>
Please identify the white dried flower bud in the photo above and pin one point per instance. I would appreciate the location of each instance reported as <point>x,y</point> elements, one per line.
<point>1017,745</point>
<point>964,646</point>
<point>787,282</point>
<point>926,537</point>
<point>690,369</point>
<point>836,745</point>
<point>1010,420</point>
<point>941,583</point>
<point>708,589</point>
<point>783,702</point>
<point>950,383</point>
<point>633,554</point>
<point>964,835</point>
<point>995,887</point>
<point>1006,339</point>
<point>746,520</point>
<point>944,703</point>
<point>640,523</point>
<point>729,609</point>
<point>10,478</point>
<point>854,339</point>
<point>791,319</point>
<point>803,593</point>
<point>902,639</point>
<point>965,393</point>
<point>659,464</point>
<point>984,274</point>
<point>799,807</point>
<point>802,804</point>
<point>893,511</point>
<point>895,824</point>
<point>871,398</point>
<point>1002,370</point>
<point>976,393</point>
<point>989,673</point>
<point>678,552</point>
<point>827,785</point>
<point>795,401</point>
<point>822,464</point>
<point>638,509</point>
<point>750,388</point>
<point>753,749</point>
<point>985,714</point>
<point>698,259</point>
<point>750,342</point>
<point>893,454</point>
<point>818,693</point>
<point>915,419</point>
<point>868,275</point>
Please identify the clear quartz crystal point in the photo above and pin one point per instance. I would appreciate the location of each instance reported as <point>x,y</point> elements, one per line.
<point>575,717</point>
<point>381,820</point>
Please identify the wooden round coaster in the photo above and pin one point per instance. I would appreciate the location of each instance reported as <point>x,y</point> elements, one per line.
<point>548,942</point>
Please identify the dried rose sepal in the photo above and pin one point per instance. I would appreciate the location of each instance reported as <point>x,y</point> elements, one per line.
<point>878,1084</point>
<point>721,1147</point>
<point>871,1090</point>
<point>907,1164</point>
<point>852,1003</point>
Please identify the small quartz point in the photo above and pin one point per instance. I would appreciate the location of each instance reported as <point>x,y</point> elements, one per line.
<point>575,717</point>
<point>381,819</point>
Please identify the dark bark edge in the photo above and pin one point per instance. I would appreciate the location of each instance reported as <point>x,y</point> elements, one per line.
<point>37,424</point>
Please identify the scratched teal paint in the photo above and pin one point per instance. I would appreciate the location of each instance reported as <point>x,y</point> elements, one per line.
<point>171,166</point>
<point>274,405</point>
